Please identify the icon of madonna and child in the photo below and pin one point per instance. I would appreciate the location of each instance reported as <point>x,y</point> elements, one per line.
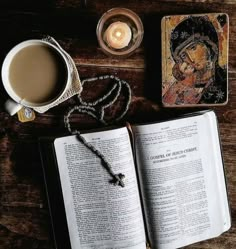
<point>195,60</point>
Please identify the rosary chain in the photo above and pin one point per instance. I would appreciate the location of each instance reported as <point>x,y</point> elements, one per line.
<point>89,108</point>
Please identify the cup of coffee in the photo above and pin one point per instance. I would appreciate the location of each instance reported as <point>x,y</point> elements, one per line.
<point>35,73</point>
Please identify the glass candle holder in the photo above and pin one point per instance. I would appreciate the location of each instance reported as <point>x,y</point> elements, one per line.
<point>119,32</point>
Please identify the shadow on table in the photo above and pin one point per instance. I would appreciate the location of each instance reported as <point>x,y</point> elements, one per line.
<point>26,161</point>
<point>152,44</point>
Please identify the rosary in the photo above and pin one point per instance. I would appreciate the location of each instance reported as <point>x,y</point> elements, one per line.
<point>90,108</point>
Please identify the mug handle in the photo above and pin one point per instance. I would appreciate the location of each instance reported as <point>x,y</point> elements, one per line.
<point>12,107</point>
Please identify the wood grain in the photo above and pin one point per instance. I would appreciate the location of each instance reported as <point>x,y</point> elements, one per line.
<point>24,217</point>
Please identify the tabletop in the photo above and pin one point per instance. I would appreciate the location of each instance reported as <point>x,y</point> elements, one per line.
<point>24,216</point>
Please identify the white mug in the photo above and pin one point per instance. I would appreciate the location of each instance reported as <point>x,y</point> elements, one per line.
<point>15,103</point>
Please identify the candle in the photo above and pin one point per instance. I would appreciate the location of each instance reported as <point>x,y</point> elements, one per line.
<point>118,35</point>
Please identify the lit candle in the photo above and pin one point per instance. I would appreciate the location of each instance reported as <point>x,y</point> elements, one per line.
<point>118,35</point>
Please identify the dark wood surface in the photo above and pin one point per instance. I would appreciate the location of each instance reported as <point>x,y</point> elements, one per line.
<point>24,217</point>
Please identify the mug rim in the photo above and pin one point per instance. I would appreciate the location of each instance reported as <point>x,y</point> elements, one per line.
<point>6,66</point>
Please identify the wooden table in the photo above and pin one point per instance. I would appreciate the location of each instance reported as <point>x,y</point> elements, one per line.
<point>24,217</point>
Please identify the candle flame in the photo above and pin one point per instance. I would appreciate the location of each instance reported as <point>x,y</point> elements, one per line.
<point>118,33</point>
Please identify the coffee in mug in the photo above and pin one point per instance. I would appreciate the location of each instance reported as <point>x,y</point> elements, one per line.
<point>35,73</point>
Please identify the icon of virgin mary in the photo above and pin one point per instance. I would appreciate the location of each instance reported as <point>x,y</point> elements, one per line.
<point>199,79</point>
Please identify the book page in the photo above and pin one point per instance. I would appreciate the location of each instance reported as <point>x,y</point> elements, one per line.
<point>99,214</point>
<point>182,180</point>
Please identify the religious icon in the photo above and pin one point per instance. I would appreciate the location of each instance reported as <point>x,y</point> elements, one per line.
<point>195,60</point>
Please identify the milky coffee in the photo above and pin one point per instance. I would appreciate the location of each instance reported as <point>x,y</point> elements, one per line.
<point>38,74</point>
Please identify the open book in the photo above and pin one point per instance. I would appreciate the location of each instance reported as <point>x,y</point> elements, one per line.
<point>174,194</point>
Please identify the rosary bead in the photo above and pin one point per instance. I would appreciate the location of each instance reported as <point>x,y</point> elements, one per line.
<point>89,108</point>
